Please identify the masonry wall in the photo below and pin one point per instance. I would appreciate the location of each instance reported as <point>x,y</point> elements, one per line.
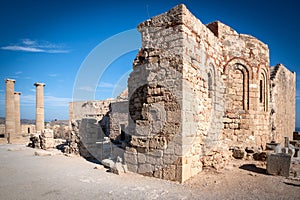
<point>221,95</point>
<point>89,109</point>
<point>119,120</point>
<point>283,91</point>
<point>155,100</point>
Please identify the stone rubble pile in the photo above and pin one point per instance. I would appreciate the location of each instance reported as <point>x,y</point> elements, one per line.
<point>44,140</point>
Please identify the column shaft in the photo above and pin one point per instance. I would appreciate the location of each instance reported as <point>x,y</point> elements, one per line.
<point>17,112</point>
<point>39,107</point>
<point>10,122</point>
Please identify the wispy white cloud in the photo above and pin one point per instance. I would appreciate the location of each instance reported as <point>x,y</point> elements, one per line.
<point>18,72</point>
<point>86,88</point>
<point>57,101</point>
<point>22,48</point>
<point>28,45</point>
<point>106,85</point>
<point>53,75</point>
<point>50,101</point>
<point>28,41</point>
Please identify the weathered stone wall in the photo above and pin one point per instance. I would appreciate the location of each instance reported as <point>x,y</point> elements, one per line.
<point>88,109</point>
<point>195,92</point>
<point>218,84</point>
<point>89,134</point>
<point>283,91</point>
<point>119,120</point>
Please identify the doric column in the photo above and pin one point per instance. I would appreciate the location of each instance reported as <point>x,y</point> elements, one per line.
<point>17,113</point>
<point>10,122</point>
<point>39,106</point>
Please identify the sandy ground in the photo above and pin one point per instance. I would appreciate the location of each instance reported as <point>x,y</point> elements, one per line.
<point>25,176</point>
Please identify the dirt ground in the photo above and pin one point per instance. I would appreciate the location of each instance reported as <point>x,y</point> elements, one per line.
<point>26,176</point>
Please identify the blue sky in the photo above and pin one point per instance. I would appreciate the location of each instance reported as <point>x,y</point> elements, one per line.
<point>48,41</point>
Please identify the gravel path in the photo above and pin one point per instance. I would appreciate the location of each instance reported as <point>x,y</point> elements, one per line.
<point>25,176</point>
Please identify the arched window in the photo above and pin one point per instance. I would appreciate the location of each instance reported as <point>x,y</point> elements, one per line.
<point>211,81</point>
<point>263,95</point>
<point>210,85</point>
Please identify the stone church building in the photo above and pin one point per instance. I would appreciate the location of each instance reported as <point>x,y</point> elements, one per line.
<point>195,92</point>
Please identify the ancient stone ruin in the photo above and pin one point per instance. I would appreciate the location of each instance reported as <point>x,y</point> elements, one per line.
<point>196,92</point>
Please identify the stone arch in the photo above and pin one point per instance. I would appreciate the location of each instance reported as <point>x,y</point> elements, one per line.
<point>239,61</point>
<point>237,86</point>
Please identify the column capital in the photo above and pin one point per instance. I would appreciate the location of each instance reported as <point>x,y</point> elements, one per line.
<point>39,84</point>
<point>9,80</point>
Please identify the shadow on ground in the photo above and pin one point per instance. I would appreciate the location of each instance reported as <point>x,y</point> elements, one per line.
<point>253,168</point>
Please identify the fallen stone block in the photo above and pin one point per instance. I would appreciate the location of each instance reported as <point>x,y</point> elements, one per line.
<point>108,163</point>
<point>261,156</point>
<point>238,153</point>
<point>117,168</point>
<point>279,164</point>
<point>99,167</point>
<point>43,153</point>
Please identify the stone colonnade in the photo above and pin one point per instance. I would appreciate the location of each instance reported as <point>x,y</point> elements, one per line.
<point>12,110</point>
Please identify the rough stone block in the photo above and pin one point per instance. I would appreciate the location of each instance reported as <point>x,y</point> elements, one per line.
<point>261,156</point>
<point>130,158</point>
<point>141,158</point>
<point>169,173</point>
<point>278,164</point>
<point>145,168</point>
<point>132,167</point>
<point>42,153</point>
<point>238,153</point>
<point>117,168</point>
<point>108,163</point>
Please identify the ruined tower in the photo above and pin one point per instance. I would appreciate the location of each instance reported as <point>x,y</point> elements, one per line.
<point>17,113</point>
<point>195,91</point>
<point>10,122</point>
<point>39,106</point>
